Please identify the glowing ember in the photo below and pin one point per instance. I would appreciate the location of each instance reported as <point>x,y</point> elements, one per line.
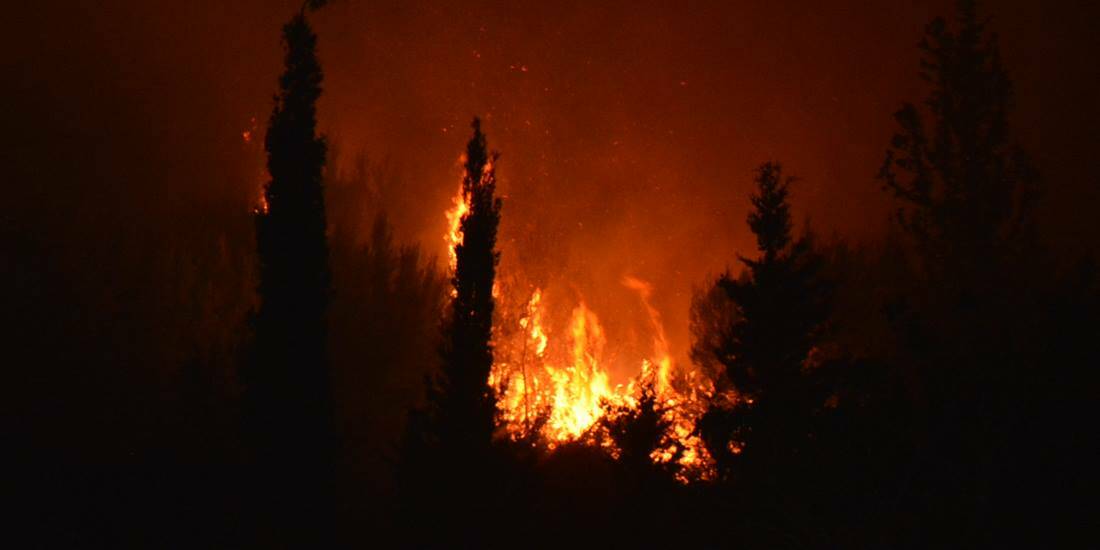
<point>261,206</point>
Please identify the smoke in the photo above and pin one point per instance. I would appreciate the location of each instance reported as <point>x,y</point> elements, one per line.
<point>628,134</point>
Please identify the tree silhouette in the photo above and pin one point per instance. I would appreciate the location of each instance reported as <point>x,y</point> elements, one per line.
<point>637,431</point>
<point>780,307</point>
<point>965,190</point>
<point>980,325</point>
<point>468,406</point>
<point>448,455</point>
<point>287,401</point>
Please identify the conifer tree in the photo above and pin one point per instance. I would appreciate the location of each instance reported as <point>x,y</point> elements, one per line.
<point>965,189</point>
<point>966,192</point>
<point>468,406</point>
<point>288,409</point>
<point>448,455</point>
<point>781,305</point>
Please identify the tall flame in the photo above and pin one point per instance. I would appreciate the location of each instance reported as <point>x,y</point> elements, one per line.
<point>564,390</point>
<point>557,391</point>
<point>581,387</point>
<point>660,342</point>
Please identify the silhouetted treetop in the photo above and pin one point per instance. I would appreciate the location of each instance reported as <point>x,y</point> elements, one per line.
<point>762,332</point>
<point>288,403</point>
<point>449,463</point>
<point>469,357</point>
<point>770,220</point>
<point>314,5</point>
<point>964,187</point>
<point>780,300</point>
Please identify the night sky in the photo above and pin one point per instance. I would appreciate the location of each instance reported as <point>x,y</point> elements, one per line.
<point>628,130</point>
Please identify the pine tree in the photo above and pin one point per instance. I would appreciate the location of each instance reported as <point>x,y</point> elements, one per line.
<point>781,306</point>
<point>781,302</point>
<point>287,395</point>
<point>966,195</point>
<point>965,190</point>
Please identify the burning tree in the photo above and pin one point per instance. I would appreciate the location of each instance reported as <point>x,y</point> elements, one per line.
<point>448,446</point>
<point>468,406</point>
<point>287,402</point>
<point>780,305</point>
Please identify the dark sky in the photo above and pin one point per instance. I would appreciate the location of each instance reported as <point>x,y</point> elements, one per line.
<point>629,130</point>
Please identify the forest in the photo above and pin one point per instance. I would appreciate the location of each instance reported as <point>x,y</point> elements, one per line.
<point>591,332</point>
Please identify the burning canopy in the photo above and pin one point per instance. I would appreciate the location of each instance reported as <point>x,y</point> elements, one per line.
<point>551,374</point>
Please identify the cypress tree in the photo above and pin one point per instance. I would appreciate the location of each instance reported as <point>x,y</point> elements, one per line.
<point>288,409</point>
<point>449,466</point>
<point>467,405</point>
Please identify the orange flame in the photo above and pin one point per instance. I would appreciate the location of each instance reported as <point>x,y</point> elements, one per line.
<point>459,208</point>
<point>569,388</point>
<point>558,390</point>
<point>579,388</point>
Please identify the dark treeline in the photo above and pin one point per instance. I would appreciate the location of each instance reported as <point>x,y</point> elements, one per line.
<point>330,390</point>
<point>917,392</point>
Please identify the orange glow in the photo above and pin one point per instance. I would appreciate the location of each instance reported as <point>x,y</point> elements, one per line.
<point>247,134</point>
<point>567,388</point>
<point>460,207</point>
<point>555,386</point>
<point>579,386</point>
<point>561,385</point>
<point>260,206</point>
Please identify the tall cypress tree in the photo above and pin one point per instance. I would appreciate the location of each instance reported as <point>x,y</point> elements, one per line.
<point>448,461</point>
<point>287,401</point>
<point>468,406</point>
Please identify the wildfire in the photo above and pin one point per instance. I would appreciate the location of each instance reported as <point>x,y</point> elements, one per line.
<point>460,207</point>
<point>580,387</point>
<point>559,390</point>
<point>660,343</point>
<point>555,386</point>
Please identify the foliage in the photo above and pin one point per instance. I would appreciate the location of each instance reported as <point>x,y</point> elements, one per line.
<point>965,190</point>
<point>288,403</point>
<point>781,305</point>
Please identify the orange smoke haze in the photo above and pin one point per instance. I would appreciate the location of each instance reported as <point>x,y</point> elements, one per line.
<point>628,132</point>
